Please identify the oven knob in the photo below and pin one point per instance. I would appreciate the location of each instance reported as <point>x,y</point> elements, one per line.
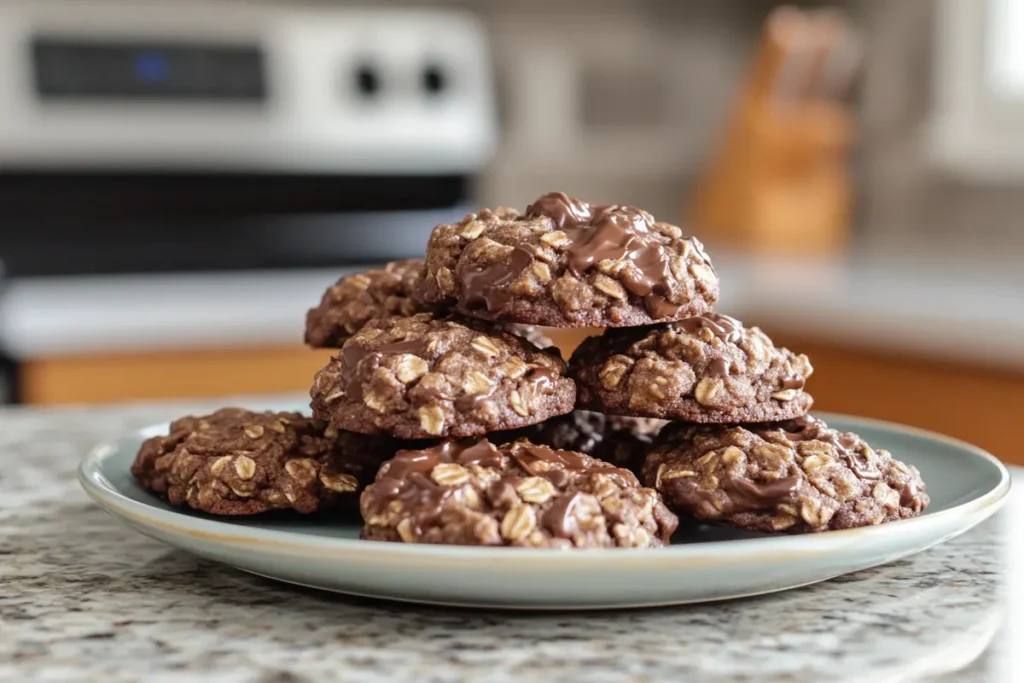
<point>367,80</point>
<point>434,80</point>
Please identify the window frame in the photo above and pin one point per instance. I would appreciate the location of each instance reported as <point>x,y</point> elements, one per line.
<point>972,131</point>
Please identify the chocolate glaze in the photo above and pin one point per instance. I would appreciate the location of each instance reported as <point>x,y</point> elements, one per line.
<point>748,495</point>
<point>725,328</point>
<point>558,518</point>
<point>485,285</point>
<point>563,210</point>
<point>502,492</point>
<point>467,452</point>
<point>741,495</point>
<point>352,356</point>
<point>527,454</point>
<point>358,362</point>
<point>799,429</point>
<point>651,273</point>
<point>650,280</point>
<point>425,497</point>
<point>540,380</point>
<point>471,402</point>
<point>407,480</point>
<point>866,472</point>
<point>660,307</point>
<point>416,347</point>
<point>566,463</point>
<point>847,444</point>
<point>614,232</point>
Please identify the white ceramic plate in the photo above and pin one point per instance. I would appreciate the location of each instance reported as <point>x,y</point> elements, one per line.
<point>966,486</point>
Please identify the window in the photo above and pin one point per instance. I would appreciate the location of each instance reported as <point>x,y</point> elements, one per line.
<point>977,126</point>
<point>1005,49</point>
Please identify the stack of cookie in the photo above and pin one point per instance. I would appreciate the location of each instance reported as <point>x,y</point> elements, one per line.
<point>451,420</point>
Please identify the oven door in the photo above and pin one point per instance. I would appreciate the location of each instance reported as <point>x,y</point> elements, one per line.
<point>104,223</point>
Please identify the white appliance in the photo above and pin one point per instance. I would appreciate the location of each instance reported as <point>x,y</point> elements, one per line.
<point>202,134</point>
<point>209,84</point>
<point>167,165</point>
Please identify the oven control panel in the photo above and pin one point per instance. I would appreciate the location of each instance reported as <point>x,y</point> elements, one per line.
<point>72,69</point>
<point>206,84</point>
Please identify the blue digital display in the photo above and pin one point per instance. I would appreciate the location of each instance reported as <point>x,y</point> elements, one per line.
<point>83,68</point>
<point>151,67</point>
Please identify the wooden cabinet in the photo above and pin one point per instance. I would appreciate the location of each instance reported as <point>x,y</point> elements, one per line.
<point>984,406</point>
<point>169,374</point>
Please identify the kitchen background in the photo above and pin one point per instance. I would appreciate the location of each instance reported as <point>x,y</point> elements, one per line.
<point>857,174</point>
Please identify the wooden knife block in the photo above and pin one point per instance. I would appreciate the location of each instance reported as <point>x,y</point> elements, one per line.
<point>779,183</point>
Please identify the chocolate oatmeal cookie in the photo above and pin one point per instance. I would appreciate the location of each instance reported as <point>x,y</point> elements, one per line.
<point>355,299</point>
<point>797,476</point>
<point>707,368</point>
<point>238,462</point>
<point>520,494</point>
<point>566,263</point>
<point>621,441</point>
<point>421,377</point>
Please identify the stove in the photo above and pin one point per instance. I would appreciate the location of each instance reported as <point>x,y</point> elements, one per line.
<point>203,135</point>
<point>193,173</point>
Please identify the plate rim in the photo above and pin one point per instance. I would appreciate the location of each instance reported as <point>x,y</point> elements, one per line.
<point>781,548</point>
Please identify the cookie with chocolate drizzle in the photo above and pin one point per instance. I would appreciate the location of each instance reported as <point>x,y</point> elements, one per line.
<point>707,368</point>
<point>567,263</point>
<point>796,476</point>
<point>519,494</point>
<point>426,377</point>
<point>356,299</point>
<point>240,462</point>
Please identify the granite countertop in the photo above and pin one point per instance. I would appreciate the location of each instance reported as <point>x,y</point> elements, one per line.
<point>84,598</point>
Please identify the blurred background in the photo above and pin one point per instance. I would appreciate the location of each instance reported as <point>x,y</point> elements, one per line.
<point>179,181</point>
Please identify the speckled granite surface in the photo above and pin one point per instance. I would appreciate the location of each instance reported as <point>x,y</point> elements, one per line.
<point>84,598</point>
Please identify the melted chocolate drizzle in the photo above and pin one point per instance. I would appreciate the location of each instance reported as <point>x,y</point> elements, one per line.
<point>849,445</point>
<point>563,210</point>
<point>471,402</point>
<point>748,495</point>
<point>613,232</point>
<point>358,362</point>
<point>660,307</point>
<point>526,454</point>
<point>407,479</point>
<point>558,518</point>
<point>480,452</point>
<point>725,328</point>
<point>485,285</point>
<point>540,380</point>
<point>741,495</point>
